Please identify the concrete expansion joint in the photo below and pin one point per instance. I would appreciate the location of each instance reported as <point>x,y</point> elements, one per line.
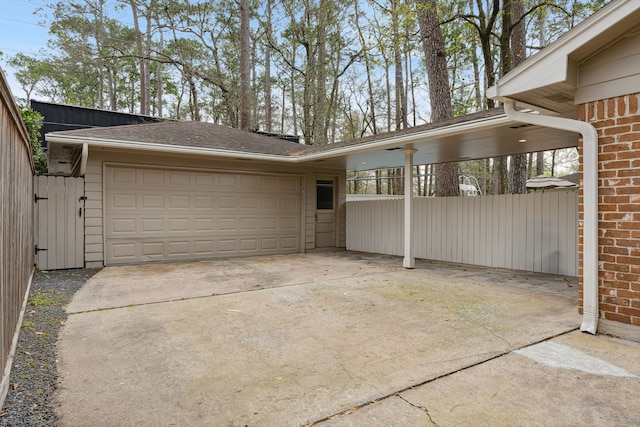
<point>422,408</point>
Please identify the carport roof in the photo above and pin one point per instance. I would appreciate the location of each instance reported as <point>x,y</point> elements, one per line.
<point>474,136</point>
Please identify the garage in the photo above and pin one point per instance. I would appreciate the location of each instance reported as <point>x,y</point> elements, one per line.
<point>159,214</point>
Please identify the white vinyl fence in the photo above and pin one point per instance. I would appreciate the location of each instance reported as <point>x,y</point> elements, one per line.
<point>534,232</point>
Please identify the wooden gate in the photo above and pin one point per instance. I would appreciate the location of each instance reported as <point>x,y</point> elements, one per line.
<point>59,222</point>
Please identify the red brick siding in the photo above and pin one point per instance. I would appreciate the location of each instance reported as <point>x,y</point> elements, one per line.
<point>618,123</point>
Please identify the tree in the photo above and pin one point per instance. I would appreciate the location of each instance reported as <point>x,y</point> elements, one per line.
<point>33,122</point>
<point>245,66</point>
<point>514,13</point>
<point>439,90</point>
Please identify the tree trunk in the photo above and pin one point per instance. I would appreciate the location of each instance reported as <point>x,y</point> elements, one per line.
<point>140,49</point>
<point>401,113</point>
<point>245,67</point>
<point>160,82</point>
<point>367,64</point>
<point>267,73</point>
<point>518,173</point>
<point>439,90</point>
<point>320,109</point>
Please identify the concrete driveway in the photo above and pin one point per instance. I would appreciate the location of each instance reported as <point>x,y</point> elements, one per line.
<point>336,339</point>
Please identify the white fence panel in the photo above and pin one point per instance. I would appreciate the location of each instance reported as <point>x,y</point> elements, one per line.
<point>534,232</point>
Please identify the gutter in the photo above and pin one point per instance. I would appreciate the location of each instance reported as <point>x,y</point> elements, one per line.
<point>590,202</point>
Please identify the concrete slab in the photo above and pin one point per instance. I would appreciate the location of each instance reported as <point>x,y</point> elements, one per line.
<point>319,334</point>
<point>150,283</point>
<point>598,383</point>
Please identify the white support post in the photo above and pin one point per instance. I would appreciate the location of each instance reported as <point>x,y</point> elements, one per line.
<point>408,261</point>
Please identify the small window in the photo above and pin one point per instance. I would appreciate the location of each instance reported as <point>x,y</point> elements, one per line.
<point>324,194</point>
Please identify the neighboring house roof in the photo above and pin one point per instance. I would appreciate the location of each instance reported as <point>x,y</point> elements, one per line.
<point>572,177</point>
<point>543,181</point>
<point>550,79</point>
<point>62,117</point>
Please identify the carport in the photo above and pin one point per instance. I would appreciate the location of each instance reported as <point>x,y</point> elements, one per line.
<point>118,235</point>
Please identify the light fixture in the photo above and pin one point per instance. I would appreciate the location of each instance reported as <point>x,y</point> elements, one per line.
<point>522,140</point>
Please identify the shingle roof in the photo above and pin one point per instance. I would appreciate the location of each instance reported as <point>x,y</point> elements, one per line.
<point>215,137</point>
<point>192,134</point>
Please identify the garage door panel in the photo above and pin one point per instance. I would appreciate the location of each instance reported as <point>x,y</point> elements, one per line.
<point>179,179</point>
<point>289,243</point>
<point>204,248</point>
<point>122,225</point>
<point>227,202</point>
<point>248,244</point>
<point>149,177</point>
<point>290,185</point>
<point>169,215</point>
<point>290,223</point>
<point>180,202</point>
<point>203,180</point>
<point>124,250</point>
<point>249,224</point>
<point>227,181</point>
<point>269,223</point>
<point>151,225</point>
<point>120,201</point>
<point>180,225</point>
<point>203,225</point>
<point>250,183</point>
<point>203,202</point>
<point>122,176</point>
<point>227,246</point>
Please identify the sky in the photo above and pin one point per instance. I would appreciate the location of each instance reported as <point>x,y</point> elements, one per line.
<point>21,31</point>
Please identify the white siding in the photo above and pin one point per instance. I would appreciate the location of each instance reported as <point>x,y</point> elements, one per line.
<point>613,72</point>
<point>535,232</point>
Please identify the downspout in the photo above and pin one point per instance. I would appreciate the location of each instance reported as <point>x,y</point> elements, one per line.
<point>83,159</point>
<point>80,163</point>
<point>590,203</point>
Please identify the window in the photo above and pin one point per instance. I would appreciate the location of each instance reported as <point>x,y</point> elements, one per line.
<point>324,194</point>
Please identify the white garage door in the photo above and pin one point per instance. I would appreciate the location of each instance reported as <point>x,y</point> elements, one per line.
<point>158,214</point>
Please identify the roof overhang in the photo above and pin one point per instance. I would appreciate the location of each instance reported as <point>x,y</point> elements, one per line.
<point>548,80</point>
<point>466,140</point>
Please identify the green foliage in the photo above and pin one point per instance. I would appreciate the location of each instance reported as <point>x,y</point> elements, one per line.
<point>33,121</point>
<point>44,298</point>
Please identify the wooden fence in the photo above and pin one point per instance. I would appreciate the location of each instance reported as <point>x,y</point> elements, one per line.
<point>16,227</point>
<point>534,232</point>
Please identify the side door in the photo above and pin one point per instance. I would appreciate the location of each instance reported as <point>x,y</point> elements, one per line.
<point>325,212</point>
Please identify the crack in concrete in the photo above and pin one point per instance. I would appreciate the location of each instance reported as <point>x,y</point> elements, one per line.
<point>422,408</point>
<point>504,340</point>
<point>414,386</point>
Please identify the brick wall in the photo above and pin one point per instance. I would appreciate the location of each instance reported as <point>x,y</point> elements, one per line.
<point>618,123</point>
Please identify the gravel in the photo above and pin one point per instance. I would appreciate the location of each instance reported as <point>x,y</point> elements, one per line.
<point>34,375</point>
